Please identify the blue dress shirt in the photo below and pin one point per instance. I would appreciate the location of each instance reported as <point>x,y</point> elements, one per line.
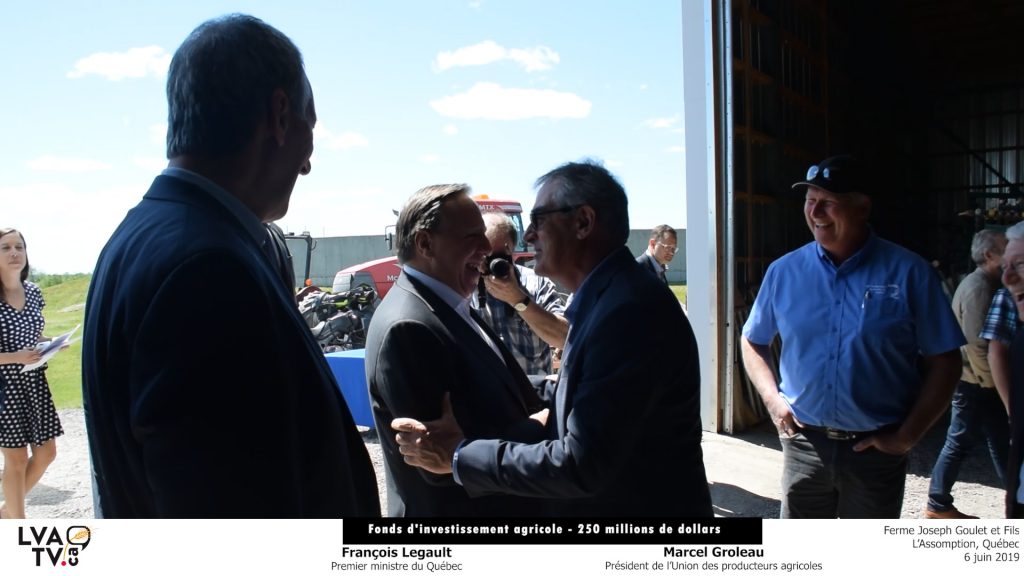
<point>851,334</point>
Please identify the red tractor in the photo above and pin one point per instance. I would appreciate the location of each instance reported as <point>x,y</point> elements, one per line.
<point>381,274</point>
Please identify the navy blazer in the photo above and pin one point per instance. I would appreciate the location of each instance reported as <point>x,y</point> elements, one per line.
<point>205,393</point>
<point>649,263</point>
<point>624,431</point>
<point>417,349</point>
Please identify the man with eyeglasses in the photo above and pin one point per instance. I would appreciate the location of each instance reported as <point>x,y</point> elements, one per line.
<point>855,314</point>
<point>623,434</point>
<point>977,410</point>
<point>661,249</point>
<point>1013,280</point>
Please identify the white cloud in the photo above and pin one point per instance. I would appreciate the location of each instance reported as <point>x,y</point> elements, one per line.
<point>676,149</point>
<point>343,141</point>
<point>430,158</point>
<point>450,129</point>
<point>135,63</point>
<point>490,101</point>
<point>534,59</point>
<point>487,52</point>
<point>643,87</point>
<point>662,122</point>
<point>66,164</point>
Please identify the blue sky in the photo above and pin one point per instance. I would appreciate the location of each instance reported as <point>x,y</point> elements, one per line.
<point>408,93</point>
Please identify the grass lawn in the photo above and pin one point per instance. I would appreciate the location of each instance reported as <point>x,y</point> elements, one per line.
<point>680,291</point>
<point>65,309</point>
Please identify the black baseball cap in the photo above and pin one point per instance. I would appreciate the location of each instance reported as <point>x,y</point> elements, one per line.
<point>838,175</point>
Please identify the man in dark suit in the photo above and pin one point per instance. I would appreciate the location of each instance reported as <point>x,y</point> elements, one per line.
<point>201,403</point>
<point>426,345</point>
<point>661,249</point>
<point>624,429</point>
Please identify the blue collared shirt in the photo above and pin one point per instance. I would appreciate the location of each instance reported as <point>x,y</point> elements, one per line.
<point>851,334</point>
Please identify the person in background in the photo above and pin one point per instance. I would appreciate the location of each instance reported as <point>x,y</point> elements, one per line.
<point>1013,280</point>
<point>522,308</point>
<point>182,422</point>
<point>624,431</point>
<point>661,249</point>
<point>1001,325</point>
<point>855,314</point>
<point>28,418</point>
<point>427,347</point>
<point>977,409</point>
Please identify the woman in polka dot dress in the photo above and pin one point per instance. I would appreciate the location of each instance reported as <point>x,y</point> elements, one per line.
<point>27,415</point>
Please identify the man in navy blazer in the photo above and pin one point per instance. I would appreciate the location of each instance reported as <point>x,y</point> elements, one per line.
<point>661,249</point>
<point>426,346</point>
<point>205,394</point>
<point>624,431</point>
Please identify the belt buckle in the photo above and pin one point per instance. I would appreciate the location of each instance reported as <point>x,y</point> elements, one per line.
<point>841,435</point>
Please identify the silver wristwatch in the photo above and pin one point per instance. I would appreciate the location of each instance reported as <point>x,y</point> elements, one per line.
<point>522,305</point>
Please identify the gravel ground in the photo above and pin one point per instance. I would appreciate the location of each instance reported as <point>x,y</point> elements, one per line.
<point>744,471</point>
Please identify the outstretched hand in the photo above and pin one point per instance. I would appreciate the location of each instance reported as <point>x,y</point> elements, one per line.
<point>429,445</point>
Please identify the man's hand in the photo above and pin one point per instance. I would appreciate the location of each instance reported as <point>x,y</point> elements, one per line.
<point>783,418</point>
<point>505,289</point>
<point>889,442</point>
<point>541,416</point>
<point>429,445</point>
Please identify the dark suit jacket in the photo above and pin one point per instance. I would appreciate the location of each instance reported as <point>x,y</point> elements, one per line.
<point>417,349</point>
<point>1016,422</point>
<point>648,262</point>
<point>205,394</point>
<point>624,432</point>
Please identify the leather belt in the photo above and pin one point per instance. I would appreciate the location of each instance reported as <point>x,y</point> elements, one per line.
<point>836,434</point>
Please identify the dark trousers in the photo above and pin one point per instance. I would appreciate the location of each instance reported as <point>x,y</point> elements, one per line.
<point>977,412</point>
<point>824,478</point>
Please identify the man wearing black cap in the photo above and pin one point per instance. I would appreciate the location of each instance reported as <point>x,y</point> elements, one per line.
<point>854,312</point>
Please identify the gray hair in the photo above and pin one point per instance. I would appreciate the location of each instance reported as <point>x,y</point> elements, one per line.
<point>985,241</point>
<point>662,232</point>
<point>422,213</point>
<point>220,81</point>
<point>502,223</point>
<point>590,183</point>
<point>1015,232</point>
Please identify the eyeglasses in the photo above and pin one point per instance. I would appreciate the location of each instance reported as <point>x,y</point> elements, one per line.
<point>669,249</point>
<point>537,216</point>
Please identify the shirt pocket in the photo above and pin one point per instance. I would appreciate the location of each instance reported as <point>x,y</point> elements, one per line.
<point>882,309</point>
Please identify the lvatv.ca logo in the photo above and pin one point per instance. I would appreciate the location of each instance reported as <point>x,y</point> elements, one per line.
<point>52,545</point>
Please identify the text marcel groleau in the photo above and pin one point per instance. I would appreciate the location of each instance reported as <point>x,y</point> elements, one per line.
<point>434,531</point>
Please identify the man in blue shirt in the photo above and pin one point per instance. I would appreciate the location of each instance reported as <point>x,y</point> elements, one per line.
<point>855,313</point>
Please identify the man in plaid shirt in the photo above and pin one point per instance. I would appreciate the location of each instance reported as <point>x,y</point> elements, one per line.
<point>999,329</point>
<point>524,309</point>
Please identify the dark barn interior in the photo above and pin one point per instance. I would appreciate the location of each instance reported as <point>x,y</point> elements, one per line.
<point>928,93</point>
